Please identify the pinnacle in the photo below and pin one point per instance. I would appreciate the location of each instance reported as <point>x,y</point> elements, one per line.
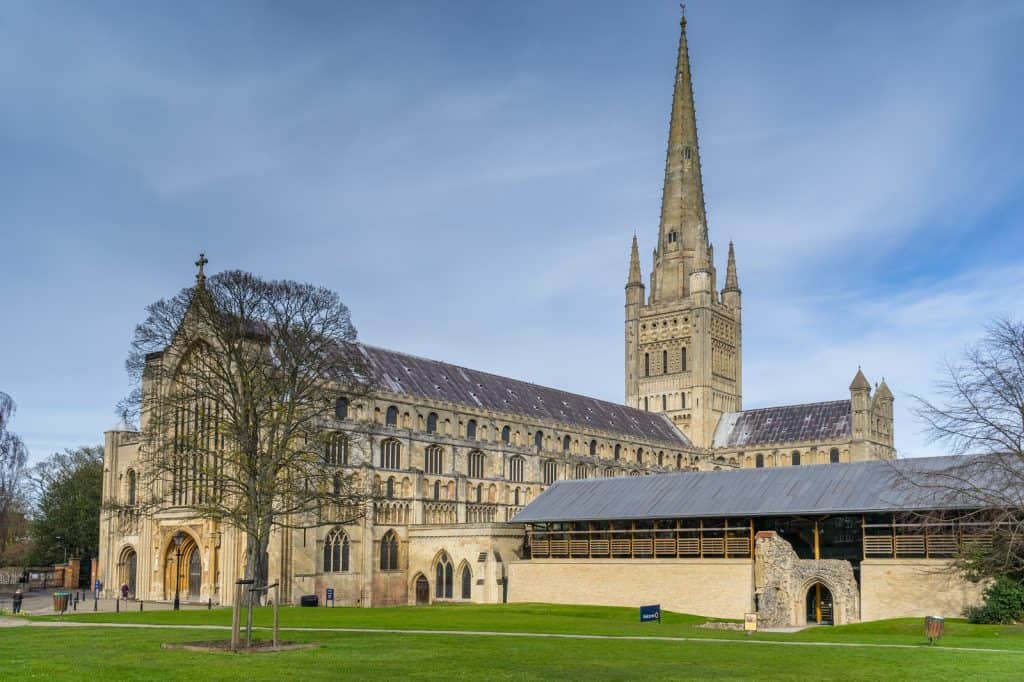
<point>860,382</point>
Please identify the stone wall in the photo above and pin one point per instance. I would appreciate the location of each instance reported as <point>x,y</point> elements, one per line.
<point>783,580</point>
<point>902,588</point>
<point>720,588</point>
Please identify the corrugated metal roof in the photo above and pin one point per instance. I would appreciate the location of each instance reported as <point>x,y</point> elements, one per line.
<point>815,489</point>
<point>412,375</point>
<point>815,422</point>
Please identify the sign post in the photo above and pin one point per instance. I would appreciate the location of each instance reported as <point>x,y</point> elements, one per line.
<point>329,597</point>
<point>749,623</point>
<point>650,613</point>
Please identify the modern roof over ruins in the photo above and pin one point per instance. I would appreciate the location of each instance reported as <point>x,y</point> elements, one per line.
<point>859,487</point>
<point>433,379</point>
<point>816,422</point>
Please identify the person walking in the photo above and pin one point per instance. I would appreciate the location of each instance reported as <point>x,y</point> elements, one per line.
<point>124,590</point>
<point>16,601</point>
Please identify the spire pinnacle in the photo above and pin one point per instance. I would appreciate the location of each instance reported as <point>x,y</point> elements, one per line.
<point>200,275</point>
<point>860,382</point>
<point>635,276</point>
<point>732,282</point>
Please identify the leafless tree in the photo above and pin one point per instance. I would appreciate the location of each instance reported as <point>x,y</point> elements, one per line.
<point>13,456</point>
<point>238,382</point>
<point>980,415</point>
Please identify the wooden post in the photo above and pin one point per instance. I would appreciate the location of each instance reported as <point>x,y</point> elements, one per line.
<point>235,619</point>
<point>725,539</point>
<point>817,553</point>
<point>277,600</point>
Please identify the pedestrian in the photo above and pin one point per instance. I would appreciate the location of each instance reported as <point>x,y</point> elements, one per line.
<point>124,591</point>
<point>16,601</point>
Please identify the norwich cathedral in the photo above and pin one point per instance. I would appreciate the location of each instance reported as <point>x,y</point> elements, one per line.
<point>454,455</point>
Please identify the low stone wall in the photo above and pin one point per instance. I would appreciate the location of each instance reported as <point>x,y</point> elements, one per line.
<point>718,588</point>
<point>902,588</point>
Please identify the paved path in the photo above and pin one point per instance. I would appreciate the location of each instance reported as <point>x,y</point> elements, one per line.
<point>483,633</point>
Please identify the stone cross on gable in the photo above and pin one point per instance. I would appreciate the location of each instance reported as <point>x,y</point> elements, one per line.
<point>200,275</point>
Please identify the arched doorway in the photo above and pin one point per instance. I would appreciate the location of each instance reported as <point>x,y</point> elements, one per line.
<point>422,590</point>
<point>819,605</point>
<point>128,565</point>
<point>183,572</point>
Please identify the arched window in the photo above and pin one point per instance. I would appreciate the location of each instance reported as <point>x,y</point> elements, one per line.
<point>391,419</point>
<point>506,435</point>
<point>336,485</point>
<point>687,153</point>
<point>759,461</point>
<point>516,497</point>
<point>515,469</point>
<point>389,552</point>
<point>646,408</point>
<point>661,459</point>
<point>391,454</point>
<point>471,429</point>
<point>682,398</point>
<point>634,473</point>
<point>679,461</point>
<point>476,464</point>
<point>550,472</point>
<point>467,582</point>
<point>443,586</point>
<point>131,487</point>
<point>664,362</point>
<point>437,490</point>
<point>795,459</point>
<point>581,471</point>
<point>664,402</point>
<point>538,440</point>
<point>432,422</point>
<point>647,364</point>
<point>683,360</point>
<point>336,451</point>
<point>566,442</point>
<point>336,551</point>
<point>639,455</point>
<point>479,492</point>
<point>593,447</point>
<point>341,408</point>
<point>434,459</point>
<point>833,456</point>
<point>389,488</point>
<point>618,451</point>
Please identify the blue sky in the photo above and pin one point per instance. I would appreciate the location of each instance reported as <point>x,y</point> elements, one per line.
<point>468,176</point>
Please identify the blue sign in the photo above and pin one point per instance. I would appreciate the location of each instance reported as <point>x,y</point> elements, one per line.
<point>649,613</point>
<point>330,594</point>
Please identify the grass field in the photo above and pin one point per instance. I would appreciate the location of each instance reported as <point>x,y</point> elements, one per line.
<point>115,653</point>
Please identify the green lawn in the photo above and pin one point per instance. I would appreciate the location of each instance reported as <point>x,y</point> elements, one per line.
<point>104,653</point>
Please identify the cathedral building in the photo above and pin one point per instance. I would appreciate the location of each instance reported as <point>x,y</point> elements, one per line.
<point>451,455</point>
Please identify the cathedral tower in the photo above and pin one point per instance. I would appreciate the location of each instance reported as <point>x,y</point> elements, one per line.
<point>683,344</point>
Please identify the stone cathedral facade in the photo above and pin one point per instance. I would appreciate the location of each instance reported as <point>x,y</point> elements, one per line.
<point>450,455</point>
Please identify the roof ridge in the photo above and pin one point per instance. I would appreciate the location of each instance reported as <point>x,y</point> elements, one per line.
<point>779,407</point>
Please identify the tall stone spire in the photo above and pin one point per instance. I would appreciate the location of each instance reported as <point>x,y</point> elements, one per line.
<point>634,266</point>
<point>732,282</point>
<point>683,234</point>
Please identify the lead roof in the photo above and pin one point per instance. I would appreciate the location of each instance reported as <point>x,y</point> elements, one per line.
<point>415,376</point>
<point>815,422</point>
<point>859,487</point>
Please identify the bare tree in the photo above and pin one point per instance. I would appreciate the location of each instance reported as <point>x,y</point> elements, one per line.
<point>239,381</point>
<point>980,415</point>
<point>13,456</point>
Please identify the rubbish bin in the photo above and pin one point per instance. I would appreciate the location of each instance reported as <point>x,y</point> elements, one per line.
<point>60,601</point>
<point>309,600</point>
<point>933,627</point>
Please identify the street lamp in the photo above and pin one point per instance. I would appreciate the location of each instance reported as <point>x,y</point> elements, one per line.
<point>178,537</point>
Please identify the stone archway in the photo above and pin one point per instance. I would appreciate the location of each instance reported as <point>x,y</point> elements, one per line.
<point>183,574</point>
<point>127,570</point>
<point>422,589</point>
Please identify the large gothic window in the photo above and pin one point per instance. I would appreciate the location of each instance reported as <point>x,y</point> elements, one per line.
<point>434,459</point>
<point>476,464</point>
<point>515,469</point>
<point>443,583</point>
<point>336,450</point>
<point>389,552</point>
<point>550,472</point>
<point>391,454</point>
<point>336,551</point>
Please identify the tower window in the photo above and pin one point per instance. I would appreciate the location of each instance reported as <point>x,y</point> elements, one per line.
<point>647,364</point>
<point>795,460</point>
<point>471,429</point>
<point>593,447</point>
<point>687,153</point>
<point>673,236</point>
<point>833,456</point>
<point>664,362</point>
<point>432,423</point>
<point>683,360</point>
<point>566,442</point>
<point>506,435</point>
<point>664,403</point>
<point>682,396</point>
<point>538,440</point>
<point>759,461</point>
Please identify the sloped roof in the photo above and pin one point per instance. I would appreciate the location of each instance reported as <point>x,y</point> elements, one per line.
<point>787,423</point>
<point>416,376</point>
<point>859,487</point>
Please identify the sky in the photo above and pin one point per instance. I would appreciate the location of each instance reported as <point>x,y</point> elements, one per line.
<point>468,177</point>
